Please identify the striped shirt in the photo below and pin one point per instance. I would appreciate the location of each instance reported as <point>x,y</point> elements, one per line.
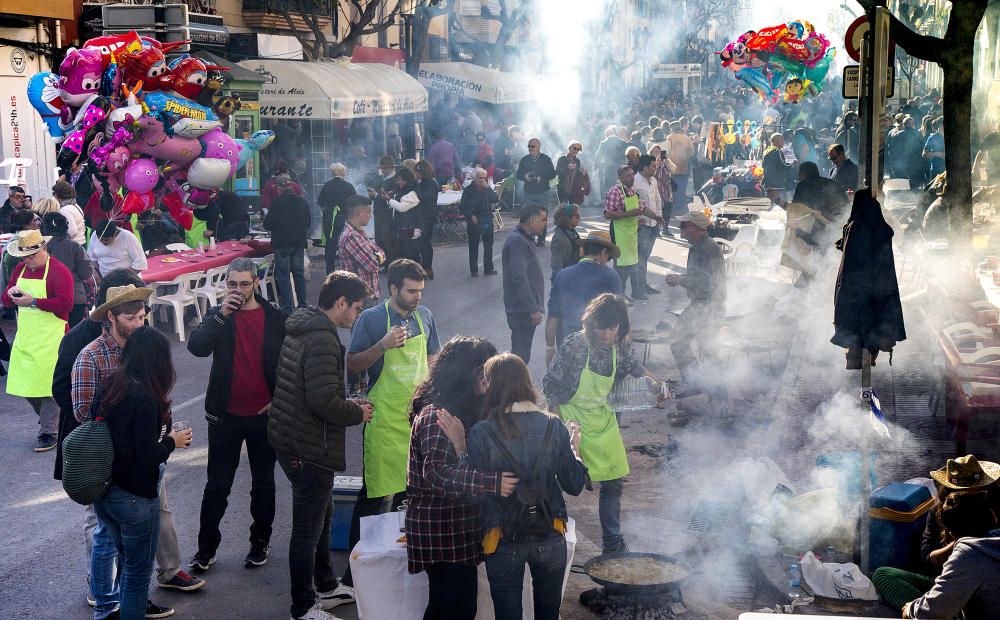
<point>93,365</point>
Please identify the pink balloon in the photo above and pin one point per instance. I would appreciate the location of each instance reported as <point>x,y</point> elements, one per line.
<point>219,145</point>
<point>141,176</point>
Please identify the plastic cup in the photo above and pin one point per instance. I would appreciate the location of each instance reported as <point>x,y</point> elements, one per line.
<point>183,425</point>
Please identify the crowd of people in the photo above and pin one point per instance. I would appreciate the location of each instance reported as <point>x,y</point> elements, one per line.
<point>456,432</point>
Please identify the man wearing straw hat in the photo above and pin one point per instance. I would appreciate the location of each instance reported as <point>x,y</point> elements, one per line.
<point>123,311</point>
<point>42,289</point>
<point>574,287</point>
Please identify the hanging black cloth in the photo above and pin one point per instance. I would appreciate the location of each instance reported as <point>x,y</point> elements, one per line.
<point>867,310</point>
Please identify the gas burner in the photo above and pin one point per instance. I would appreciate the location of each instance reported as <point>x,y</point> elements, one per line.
<point>668,605</point>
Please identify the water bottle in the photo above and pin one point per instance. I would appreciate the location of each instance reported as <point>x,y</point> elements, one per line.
<point>201,247</point>
<point>794,581</point>
<point>211,244</point>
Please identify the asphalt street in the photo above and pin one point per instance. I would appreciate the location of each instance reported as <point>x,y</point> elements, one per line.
<point>42,567</point>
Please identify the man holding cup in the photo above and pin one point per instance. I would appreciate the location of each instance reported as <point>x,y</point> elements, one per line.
<point>243,335</point>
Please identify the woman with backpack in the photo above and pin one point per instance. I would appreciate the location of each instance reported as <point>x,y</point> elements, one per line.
<point>529,526</point>
<point>443,531</point>
<point>586,368</point>
<point>136,405</point>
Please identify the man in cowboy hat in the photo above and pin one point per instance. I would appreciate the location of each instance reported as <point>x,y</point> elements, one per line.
<point>574,287</point>
<point>123,311</point>
<point>42,289</point>
<point>705,283</point>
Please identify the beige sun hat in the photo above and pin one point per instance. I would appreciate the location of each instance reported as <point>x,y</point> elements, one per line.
<point>698,218</point>
<point>26,243</point>
<point>967,472</point>
<point>118,295</point>
<point>601,237</point>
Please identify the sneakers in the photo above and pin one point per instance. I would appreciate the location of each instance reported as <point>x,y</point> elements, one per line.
<point>183,582</point>
<point>652,291</point>
<point>201,561</point>
<point>621,548</point>
<point>257,555</point>
<point>44,443</point>
<point>158,611</point>
<point>341,595</point>
<point>316,613</point>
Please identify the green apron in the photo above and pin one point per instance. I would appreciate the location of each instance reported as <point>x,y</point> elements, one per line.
<point>328,234</point>
<point>387,436</point>
<point>626,231</point>
<point>601,445</point>
<point>36,346</point>
<point>134,221</point>
<point>197,234</point>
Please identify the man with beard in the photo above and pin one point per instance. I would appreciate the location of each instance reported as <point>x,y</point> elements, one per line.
<point>123,312</point>
<point>393,343</point>
<point>15,201</point>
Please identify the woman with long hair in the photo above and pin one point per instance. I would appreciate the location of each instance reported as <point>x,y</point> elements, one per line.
<point>135,402</point>
<point>586,368</point>
<point>529,526</point>
<point>443,533</point>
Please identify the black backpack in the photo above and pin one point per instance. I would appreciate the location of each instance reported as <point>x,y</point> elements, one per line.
<point>530,517</point>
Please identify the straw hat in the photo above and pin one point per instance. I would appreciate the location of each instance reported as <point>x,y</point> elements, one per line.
<point>118,295</point>
<point>967,472</point>
<point>26,243</point>
<point>698,218</point>
<point>603,238</point>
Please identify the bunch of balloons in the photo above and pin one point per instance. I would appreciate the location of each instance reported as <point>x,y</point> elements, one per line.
<point>136,130</point>
<point>783,63</point>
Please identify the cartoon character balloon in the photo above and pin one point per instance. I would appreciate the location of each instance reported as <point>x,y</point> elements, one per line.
<point>782,63</point>
<point>135,129</point>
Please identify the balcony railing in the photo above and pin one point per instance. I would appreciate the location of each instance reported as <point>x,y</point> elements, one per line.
<point>267,14</point>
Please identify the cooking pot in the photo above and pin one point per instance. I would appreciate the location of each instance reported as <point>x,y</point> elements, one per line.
<point>629,589</point>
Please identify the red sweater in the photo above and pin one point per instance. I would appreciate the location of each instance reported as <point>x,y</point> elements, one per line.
<point>59,287</point>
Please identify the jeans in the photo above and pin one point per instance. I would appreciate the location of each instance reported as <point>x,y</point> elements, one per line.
<point>647,237</point>
<point>289,270</point>
<point>225,440</point>
<point>309,547</point>
<point>680,194</point>
<point>609,510</point>
<point>366,507</point>
<point>48,414</point>
<point>453,592</point>
<point>632,273</point>
<point>475,235</point>
<point>522,331</point>
<point>133,525</point>
<point>505,569</point>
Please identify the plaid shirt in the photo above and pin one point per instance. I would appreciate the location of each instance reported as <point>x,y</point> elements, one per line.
<point>357,255</point>
<point>93,365</point>
<point>442,525</point>
<point>614,200</point>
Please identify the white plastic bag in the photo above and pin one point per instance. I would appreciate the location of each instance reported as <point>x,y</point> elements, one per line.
<point>841,581</point>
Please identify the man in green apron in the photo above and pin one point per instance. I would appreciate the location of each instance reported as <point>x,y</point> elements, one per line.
<point>623,207</point>
<point>331,200</point>
<point>42,289</point>
<point>392,342</point>
<point>578,384</point>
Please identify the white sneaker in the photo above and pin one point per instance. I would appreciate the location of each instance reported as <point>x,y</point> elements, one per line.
<point>341,595</point>
<point>316,613</point>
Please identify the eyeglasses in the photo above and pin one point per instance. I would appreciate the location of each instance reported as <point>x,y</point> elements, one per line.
<point>574,148</point>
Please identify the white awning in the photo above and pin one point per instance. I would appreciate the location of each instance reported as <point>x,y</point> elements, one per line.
<point>335,90</point>
<point>475,82</point>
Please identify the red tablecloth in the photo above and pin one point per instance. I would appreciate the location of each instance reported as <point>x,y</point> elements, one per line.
<point>192,262</point>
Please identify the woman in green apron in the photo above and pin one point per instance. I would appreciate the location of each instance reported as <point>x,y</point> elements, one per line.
<point>42,289</point>
<point>578,382</point>
<point>623,208</point>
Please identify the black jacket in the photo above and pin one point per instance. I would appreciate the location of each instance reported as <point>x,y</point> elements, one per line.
<point>542,169</point>
<point>217,337</point>
<point>775,169</point>
<point>867,310</point>
<point>846,175</point>
<point>135,428</point>
<point>310,413</point>
<point>334,194</point>
<point>85,332</point>
<point>288,220</point>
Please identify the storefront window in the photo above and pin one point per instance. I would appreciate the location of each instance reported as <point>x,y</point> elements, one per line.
<point>246,180</point>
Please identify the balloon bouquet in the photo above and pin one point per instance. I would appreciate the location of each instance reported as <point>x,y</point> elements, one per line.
<point>784,63</point>
<point>135,129</point>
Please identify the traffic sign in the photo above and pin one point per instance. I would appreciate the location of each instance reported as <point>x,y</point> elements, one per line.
<point>855,34</point>
<point>852,82</point>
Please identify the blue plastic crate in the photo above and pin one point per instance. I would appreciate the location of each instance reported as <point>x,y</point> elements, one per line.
<point>345,495</point>
<point>897,517</point>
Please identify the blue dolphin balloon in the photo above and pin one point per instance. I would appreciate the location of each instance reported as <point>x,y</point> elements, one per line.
<point>259,140</point>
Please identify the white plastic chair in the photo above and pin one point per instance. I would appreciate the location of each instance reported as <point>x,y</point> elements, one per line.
<point>741,262</point>
<point>265,271</point>
<point>177,247</point>
<point>212,287</point>
<point>178,299</point>
<point>746,234</point>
